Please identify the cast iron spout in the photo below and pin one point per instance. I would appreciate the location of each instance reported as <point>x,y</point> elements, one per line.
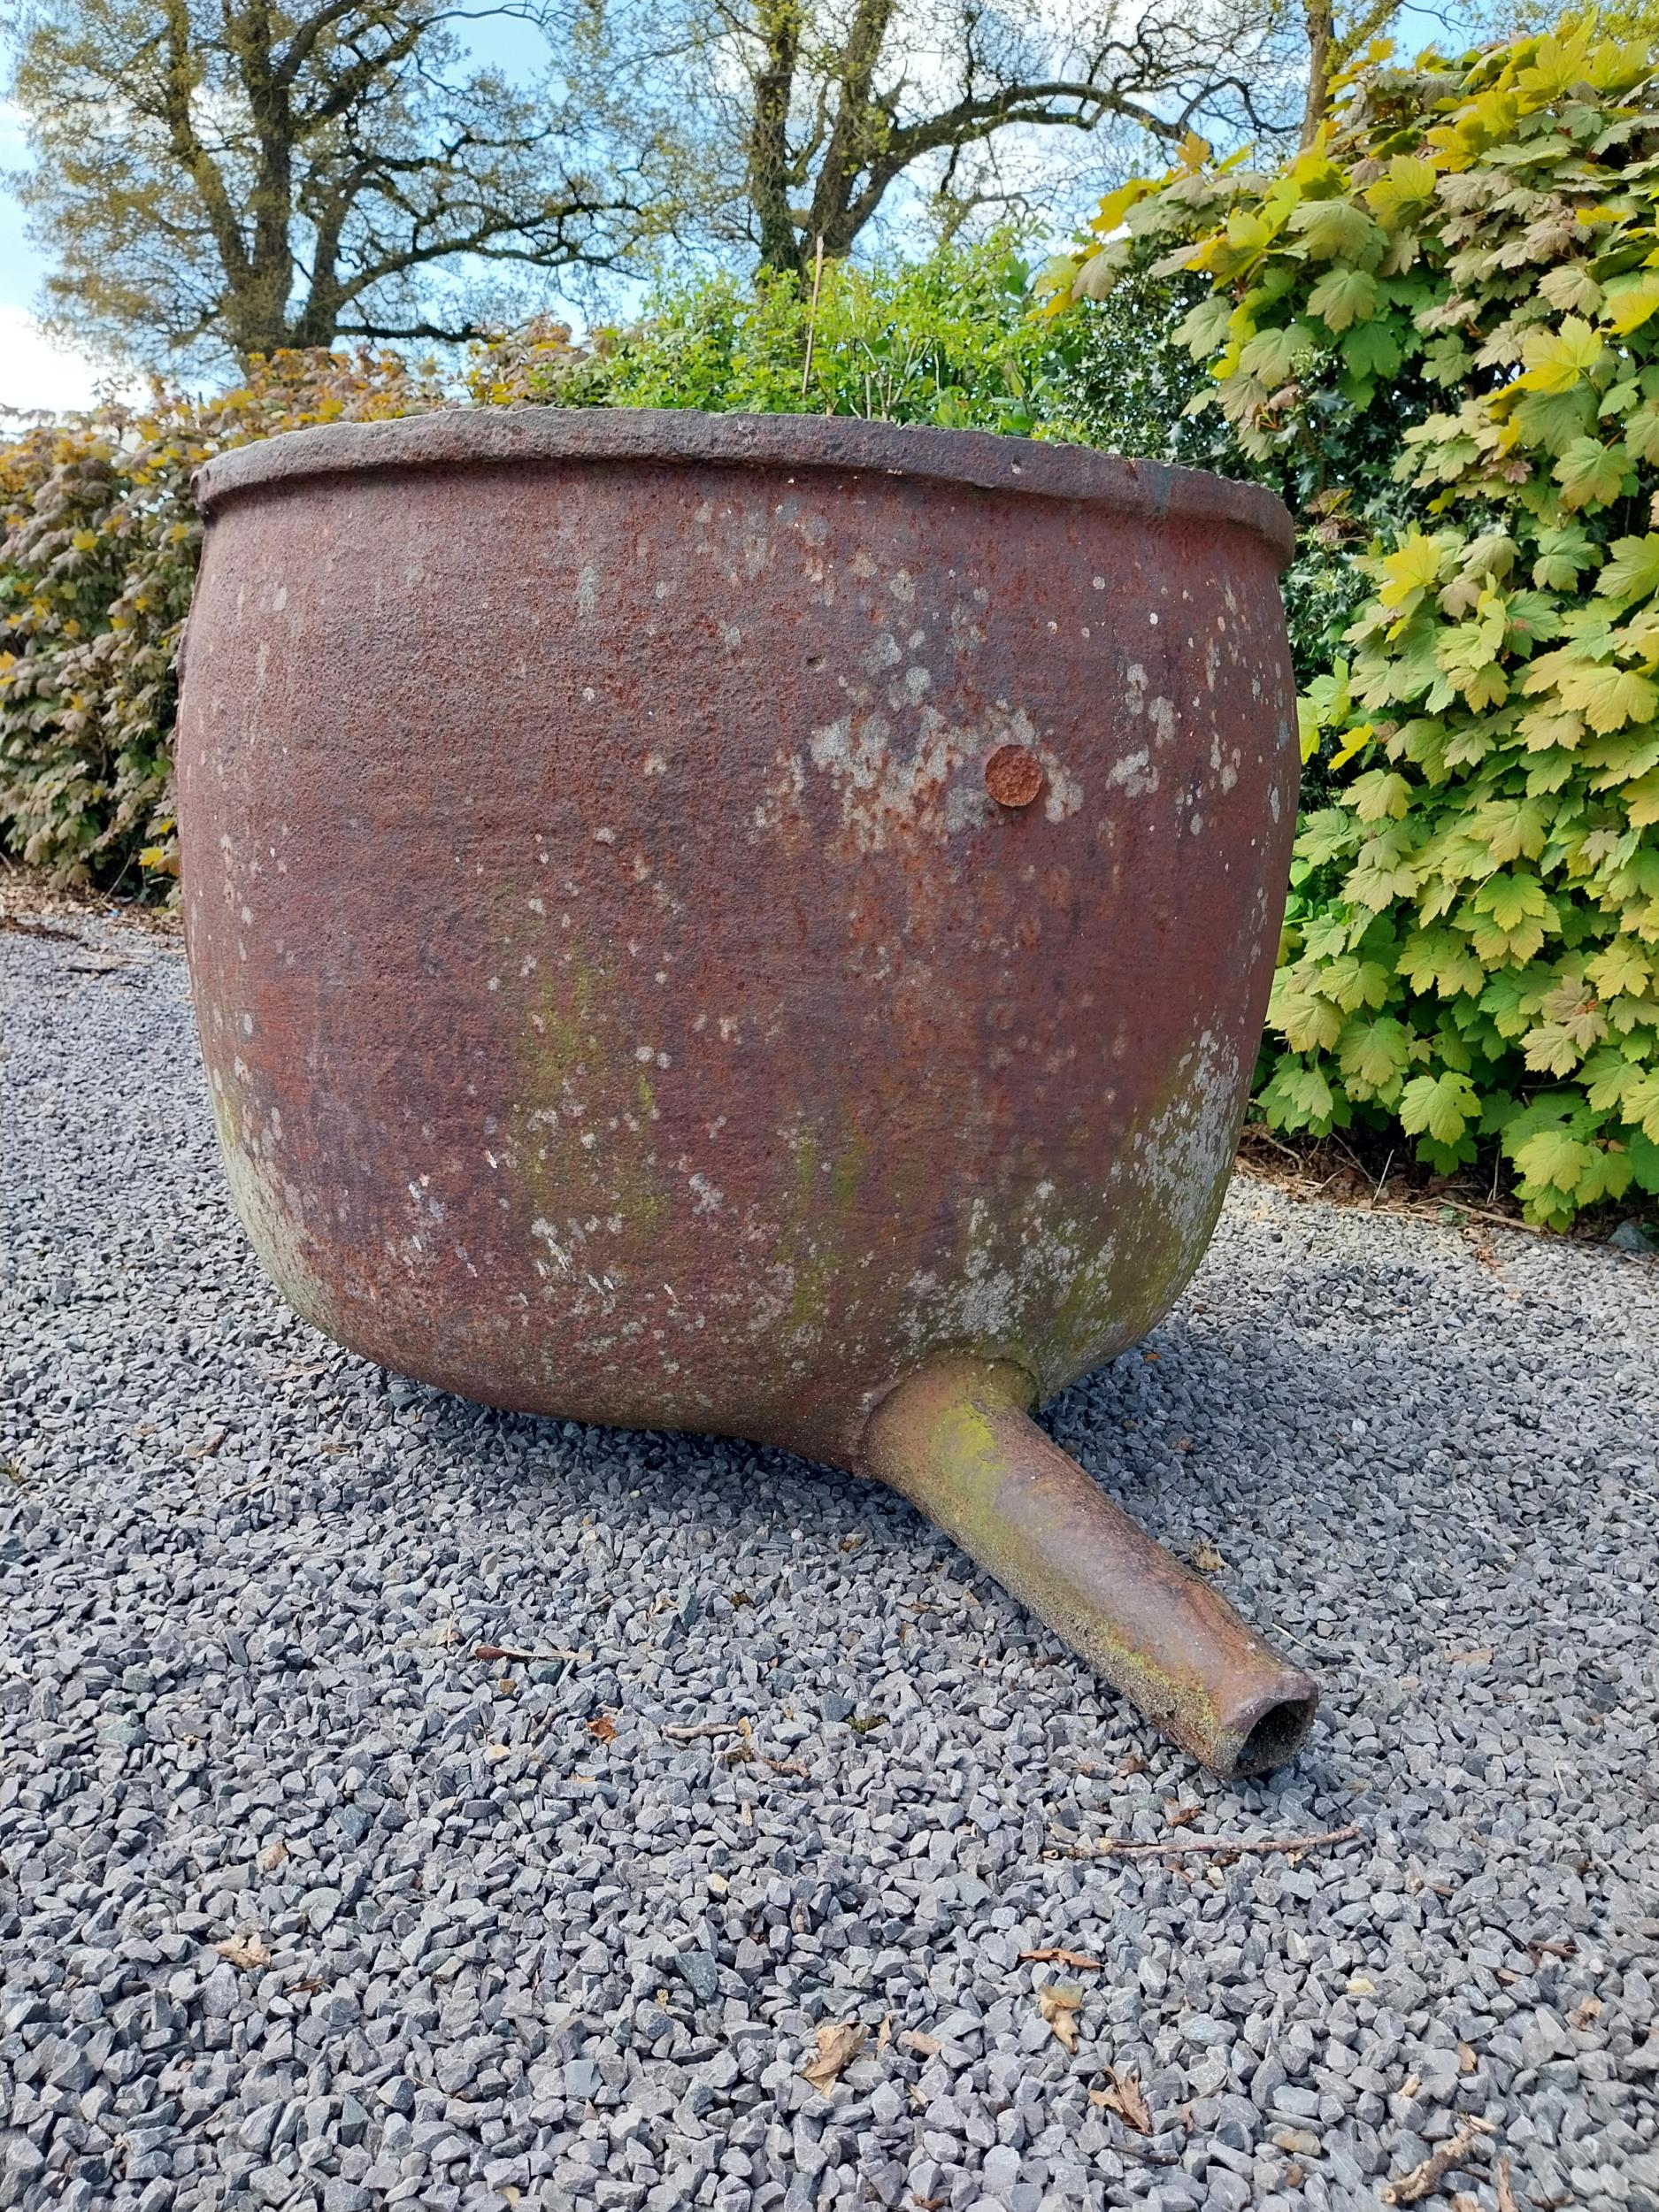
<point>955,1438</point>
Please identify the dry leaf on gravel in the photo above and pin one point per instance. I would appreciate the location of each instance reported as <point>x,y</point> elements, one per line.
<point>837,2047</point>
<point>273,1856</point>
<point>1423,2180</point>
<point>1123,2095</point>
<point>1506,2192</point>
<point>1207,1559</point>
<point>601,1728</point>
<point>1058,2005</point>
<point>245,1951</point>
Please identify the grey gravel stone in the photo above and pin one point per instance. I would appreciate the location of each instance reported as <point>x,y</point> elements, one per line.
<point>471,1949</point>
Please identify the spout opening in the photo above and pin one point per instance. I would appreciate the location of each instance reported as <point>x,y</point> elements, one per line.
<point>1275,1736</point>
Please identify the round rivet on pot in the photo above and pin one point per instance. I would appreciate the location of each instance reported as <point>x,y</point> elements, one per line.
<point>1013,775</point>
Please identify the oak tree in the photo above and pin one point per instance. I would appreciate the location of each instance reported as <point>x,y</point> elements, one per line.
<point>246,175</point>
<point>780,124</point>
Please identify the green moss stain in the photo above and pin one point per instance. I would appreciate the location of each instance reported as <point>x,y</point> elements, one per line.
<point>584,1113</point>
<point>820,1204</point>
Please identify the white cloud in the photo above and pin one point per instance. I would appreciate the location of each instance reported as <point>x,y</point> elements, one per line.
<point>38,373</point>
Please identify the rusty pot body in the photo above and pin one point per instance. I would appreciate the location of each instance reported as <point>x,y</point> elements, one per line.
<point>622,996</point>
<point>691,916</point>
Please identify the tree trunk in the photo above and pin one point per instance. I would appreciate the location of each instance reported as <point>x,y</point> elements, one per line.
<point>781,246</point>
<point>1321,27</point>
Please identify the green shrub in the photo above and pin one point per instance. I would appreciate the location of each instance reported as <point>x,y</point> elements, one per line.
<point>96,566</point>
<point>1460,280</point>
<point>946,341</point>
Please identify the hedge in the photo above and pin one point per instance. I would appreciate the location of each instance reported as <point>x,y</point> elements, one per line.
<point>1466,261</point>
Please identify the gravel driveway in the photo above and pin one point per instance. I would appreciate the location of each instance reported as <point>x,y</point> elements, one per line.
<point>307,1900</point>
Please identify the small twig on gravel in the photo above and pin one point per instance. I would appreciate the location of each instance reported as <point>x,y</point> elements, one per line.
<point>687,1731</point>
<point>1262,1137</point>
<point>1255,1846</point>
<point>1054,1954</point>
<point>1423,2180</point>
<point>508,1651</point>
<point>24,926</point>
<point>1503,1221</point>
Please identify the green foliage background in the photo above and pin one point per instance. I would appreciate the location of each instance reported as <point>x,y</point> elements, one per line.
<point>1460,279</point>
<point>98,564</point>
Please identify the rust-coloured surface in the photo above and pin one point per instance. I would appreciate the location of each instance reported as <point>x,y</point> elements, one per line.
<point>622,996</point>
<point>956,1441</point>
<point>1014,775</point>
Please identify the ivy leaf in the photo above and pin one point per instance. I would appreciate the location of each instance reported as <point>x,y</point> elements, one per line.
<point>1380,794</point>
<point>1440,1106</point>
<point>1343,297</point>
<point>1512,899</point>
<point>1622,967</point>
<point>1552,1158</point>
<point>1439,960</point>
<point>1272,353</point>
<point>1556,360</point>
<point>1642,800</point>
<point>1608,696</point>
<point>1630,300</point>
<point>1375,1053</point>
<point>1410,569</point>
<point>1372,349</point>
<point>1298,1097</point>
<point>1633,571</point>
<point>1590,474</point>
<point>1405,187</point>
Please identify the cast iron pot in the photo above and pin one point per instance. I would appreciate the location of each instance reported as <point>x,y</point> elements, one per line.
<point>753,924</point>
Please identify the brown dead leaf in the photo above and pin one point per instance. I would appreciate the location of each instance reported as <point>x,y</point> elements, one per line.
<point>1124,2096</point>
<point>1059,2005</point>
<point>1583,2011</point>
<point>884,2033</point>
<point>1207,1559</point>
<point>1182,1444</point>
<point>1425,2179</point>
<point>1179,1816</point>
<point>1466,2060</point>
<point>1054,1955</point>
<point>273,1856</point>
<point>1482,1658</point>
<point>838,2044</point>
<point>1506,2189</point>
<point>850,1543</point>
<point>1134,1765</point>
<point>601,1728</point>
<point>244,1951</point>
<point>924,2046</point>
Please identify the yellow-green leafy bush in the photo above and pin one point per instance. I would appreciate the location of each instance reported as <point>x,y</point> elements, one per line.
<point>96,566</point>
<point>1468,258</point>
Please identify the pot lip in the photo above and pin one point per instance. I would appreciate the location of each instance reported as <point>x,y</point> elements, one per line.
<point>451,438</point>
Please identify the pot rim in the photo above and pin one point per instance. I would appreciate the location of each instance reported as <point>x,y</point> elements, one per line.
<point>517,436</point>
